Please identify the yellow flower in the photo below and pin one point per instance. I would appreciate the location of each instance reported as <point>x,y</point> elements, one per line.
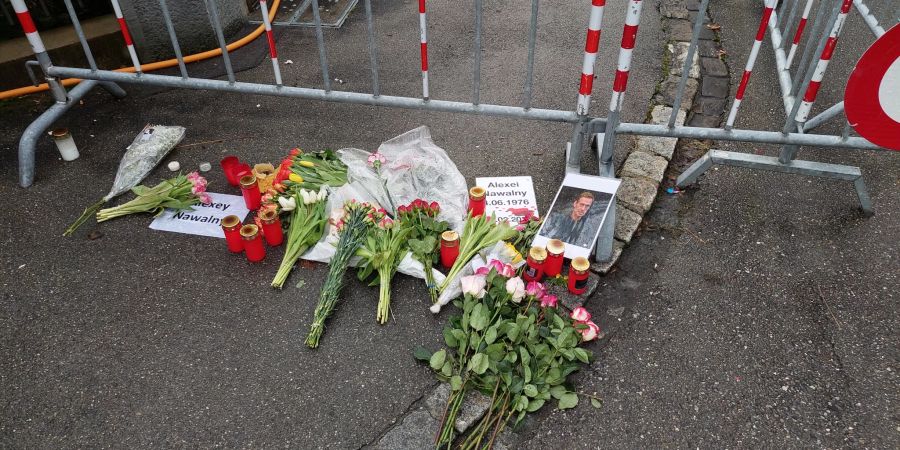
<point>307,164</point>
<point>516,256</point>
<point>295,178</point>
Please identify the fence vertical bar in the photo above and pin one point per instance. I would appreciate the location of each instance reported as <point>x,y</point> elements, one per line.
<point>586,85</point>
<point>127,36</point>
<point>270,37</point>
<point>788,151</point>
<point>320,40</point>
<point>817,27</point>
<point>812,91</point>
<point>217,27</point>
<point>476,77</point>
<point>688,62</point>
<point>167,18</point>
<point>423,47</point>
<point>620,84</point>
<point>373,50</point>
<point>81,38</point>
<point>790,20</point>
<point>869,18</point>
<point>37,47</point>
<point>799,33</point>
<point>529,71</point>
<point>751,61</point>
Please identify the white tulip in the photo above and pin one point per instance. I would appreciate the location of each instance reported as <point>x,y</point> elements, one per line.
<point>323,193</point>
<point>287,203</point>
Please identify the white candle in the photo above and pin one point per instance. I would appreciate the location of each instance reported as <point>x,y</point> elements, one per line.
<point>66,145</point>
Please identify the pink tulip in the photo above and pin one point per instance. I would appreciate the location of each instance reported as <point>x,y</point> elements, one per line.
<point>548,301</point>
<point>205,198</point>
<point>591,332</point>
<point>580,314</point>
<point>198,189</point>
<point>534,289</point>
<point>515,287</point>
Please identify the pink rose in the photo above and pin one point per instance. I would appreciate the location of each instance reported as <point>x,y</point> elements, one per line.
<point>515,287</point>
<point>473,285</point>
<point>580,314</point>
<point>548,301</point>
<point>591,332</point>
<point>534,289</point>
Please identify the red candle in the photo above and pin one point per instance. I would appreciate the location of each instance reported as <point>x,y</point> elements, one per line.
<point>449,248</point>
<point>253,244</point>
<point>554,262</point>
<point>476,201</point>
<point>250,189</point>
<point>231,225</point>
<point>271,226</point>
<point>228,164</point>
<point>578,275</point>
<point>534,270</point>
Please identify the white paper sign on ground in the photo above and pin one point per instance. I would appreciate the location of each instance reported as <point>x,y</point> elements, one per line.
<point>509,198</point>
<point>203,220</point>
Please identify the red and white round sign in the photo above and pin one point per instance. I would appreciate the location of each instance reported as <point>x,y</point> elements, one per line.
<point>872,97</point>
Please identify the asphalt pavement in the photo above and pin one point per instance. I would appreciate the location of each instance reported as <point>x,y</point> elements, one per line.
<point>759,309</point>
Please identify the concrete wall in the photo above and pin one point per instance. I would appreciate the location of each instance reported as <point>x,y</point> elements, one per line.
<point>192,25</point>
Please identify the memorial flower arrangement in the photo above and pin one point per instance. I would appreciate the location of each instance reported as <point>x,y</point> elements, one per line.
<point>180,192</point>
<point>311,170</point>
<point>384,247</point>
<point>512,344</point>
<point>375,161</point>
<point>352,226</point>
<point>478,234</point>
<point>527,229</point>
<point>306,210</point>
<point>421,217</point>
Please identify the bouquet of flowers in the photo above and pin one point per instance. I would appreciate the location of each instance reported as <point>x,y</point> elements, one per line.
<point>352,230</point>
<point>307,224</point>
<point>311,170</point>
<point>421,217</point>
<point>181,192</point>
<point>382,251</point>
<point>526,229</point>
<point>512,344</point>
<point>479,233</point>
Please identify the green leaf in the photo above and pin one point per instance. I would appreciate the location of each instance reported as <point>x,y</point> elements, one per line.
<point>527,371</point>
<point>422,354</point>
<point>490,335</point>
<point>447,370</point>
<point>513,332</point>
<point>534,405</point>
<point>480,317</point>
<point>557,391</point>
<point>437,359</point>
<point>596,403</point>
<point>456,382</point>
<point>568,400</point>
<point>449,338</point>
<point>530,390</point>
<point>582,355</point>
<point>526,358</point>
<point>479,363</point>
<point>495,351</point>
<point>522,404</point>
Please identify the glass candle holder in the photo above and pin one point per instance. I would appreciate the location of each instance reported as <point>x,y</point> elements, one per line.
<point>250,189</point>
<point>271,226</point>
<point>449,248</point>
<point>578,275</point>
<point>477,201</point>
<point>228,164</point>
<point>231,226</point>
<point>554,262</point>
<point>265,176</point>
<point>253,244</point>
<point>534,269</point>
<point>65,144</point>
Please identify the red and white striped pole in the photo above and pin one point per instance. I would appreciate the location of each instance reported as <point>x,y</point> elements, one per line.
<point>272,52</point>
<point>816,82</point>
<point>629,37</point>
<point>751,61</point>
<point>127,36</point>
<point>799,33</point>
<point>591,46</point>
<point>423,43</point>
<point>37,46</point>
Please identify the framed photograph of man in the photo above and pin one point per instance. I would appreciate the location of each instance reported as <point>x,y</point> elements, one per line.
<point>578,212</point>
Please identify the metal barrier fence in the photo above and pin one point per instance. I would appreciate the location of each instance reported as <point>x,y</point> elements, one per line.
<point>603,130</point>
